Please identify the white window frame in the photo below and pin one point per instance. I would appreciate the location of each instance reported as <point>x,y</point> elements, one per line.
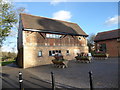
<point>57,36</point>
<point>52,54</point>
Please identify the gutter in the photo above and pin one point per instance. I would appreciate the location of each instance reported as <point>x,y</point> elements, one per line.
<point>53,32</point>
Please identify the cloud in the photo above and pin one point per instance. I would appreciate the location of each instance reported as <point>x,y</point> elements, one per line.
<point>55,2</point>
<point>62,15</point>
<point>8,49</point>
<point>113,20</point>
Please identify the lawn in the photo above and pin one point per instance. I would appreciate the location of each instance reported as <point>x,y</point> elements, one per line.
<point>3,63</point>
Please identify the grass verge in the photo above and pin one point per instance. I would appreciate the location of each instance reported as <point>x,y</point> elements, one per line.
<point>3,63</point>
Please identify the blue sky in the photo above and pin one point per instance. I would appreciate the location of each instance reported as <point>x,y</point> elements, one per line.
<point>92,17</point>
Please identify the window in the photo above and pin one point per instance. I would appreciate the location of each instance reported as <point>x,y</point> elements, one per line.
<point>118,39</point>
<point>53,52</point>
<point>67,52</point>
<point>53,36</point>
<point>56,51</point>
<point>40,53</point>
<point>103,47</point>
<point>80,38</point>
<point>59,51</point>
<point>50,53</point>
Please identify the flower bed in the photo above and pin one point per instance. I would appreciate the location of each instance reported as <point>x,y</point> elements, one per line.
<point>100,55</point>
<point>83,58</point>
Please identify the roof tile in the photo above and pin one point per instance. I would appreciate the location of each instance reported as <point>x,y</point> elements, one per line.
<point>108,35</point>
<point>48,24</point>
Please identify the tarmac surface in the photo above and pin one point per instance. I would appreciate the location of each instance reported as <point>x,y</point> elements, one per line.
<point>105,75</point>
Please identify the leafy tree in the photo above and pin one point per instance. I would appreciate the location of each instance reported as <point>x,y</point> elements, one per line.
<point>8,55</point>
<point>7,20</point>
<point>91,41</point>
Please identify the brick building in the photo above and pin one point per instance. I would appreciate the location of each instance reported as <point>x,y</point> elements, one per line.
<point>39,38</point>
<point>108,42</point>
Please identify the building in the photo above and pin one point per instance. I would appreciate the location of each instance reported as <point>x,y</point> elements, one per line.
<point>39,38</point>
<point>108,42</point>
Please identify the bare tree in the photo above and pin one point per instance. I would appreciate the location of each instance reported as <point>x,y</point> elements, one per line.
<point>91,41</point>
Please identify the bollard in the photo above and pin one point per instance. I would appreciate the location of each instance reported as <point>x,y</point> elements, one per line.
<point>91,83</point>
<point>20,80</point>
<point>53,81</point>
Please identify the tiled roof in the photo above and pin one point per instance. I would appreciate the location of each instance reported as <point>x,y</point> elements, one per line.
<point>113,34</point>
<point>48,24</point>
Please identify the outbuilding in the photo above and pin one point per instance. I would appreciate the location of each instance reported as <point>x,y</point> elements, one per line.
<point>39,38</point>
<point>108,42</point>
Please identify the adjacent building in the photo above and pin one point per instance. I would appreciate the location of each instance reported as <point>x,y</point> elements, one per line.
<point>39,38</point>
<point>109,42</point>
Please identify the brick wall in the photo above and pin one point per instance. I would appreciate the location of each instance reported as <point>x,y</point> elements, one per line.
<point>112,47</point>
<point>31,57</point>
<point>33,42</point>
<point>39,38</point>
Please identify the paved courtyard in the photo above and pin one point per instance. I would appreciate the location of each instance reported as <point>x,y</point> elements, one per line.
<point>105,75</point>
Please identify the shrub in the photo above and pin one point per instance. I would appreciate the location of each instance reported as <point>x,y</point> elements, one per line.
<point>99,54</point>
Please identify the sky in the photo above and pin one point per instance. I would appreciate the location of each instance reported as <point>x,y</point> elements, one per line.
<point>92,17</point>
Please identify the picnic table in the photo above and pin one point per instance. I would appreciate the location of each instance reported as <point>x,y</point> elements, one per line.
<point>84,59</point>
<point>60,64</point>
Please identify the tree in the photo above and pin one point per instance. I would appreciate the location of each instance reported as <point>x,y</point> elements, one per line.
<point>91,41</point>
<point>8,55</point>
<point>7,20</point>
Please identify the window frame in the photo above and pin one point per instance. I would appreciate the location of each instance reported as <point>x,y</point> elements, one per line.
<point>67,52</point>
<point>55,36</point>
<point>102,47</point>
<point>52,52</point>
<point>40,53</point>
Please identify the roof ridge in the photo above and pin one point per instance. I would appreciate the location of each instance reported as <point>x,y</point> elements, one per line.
<point>112,34</point>
<point>109,31</point>
<point>47,18</point>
